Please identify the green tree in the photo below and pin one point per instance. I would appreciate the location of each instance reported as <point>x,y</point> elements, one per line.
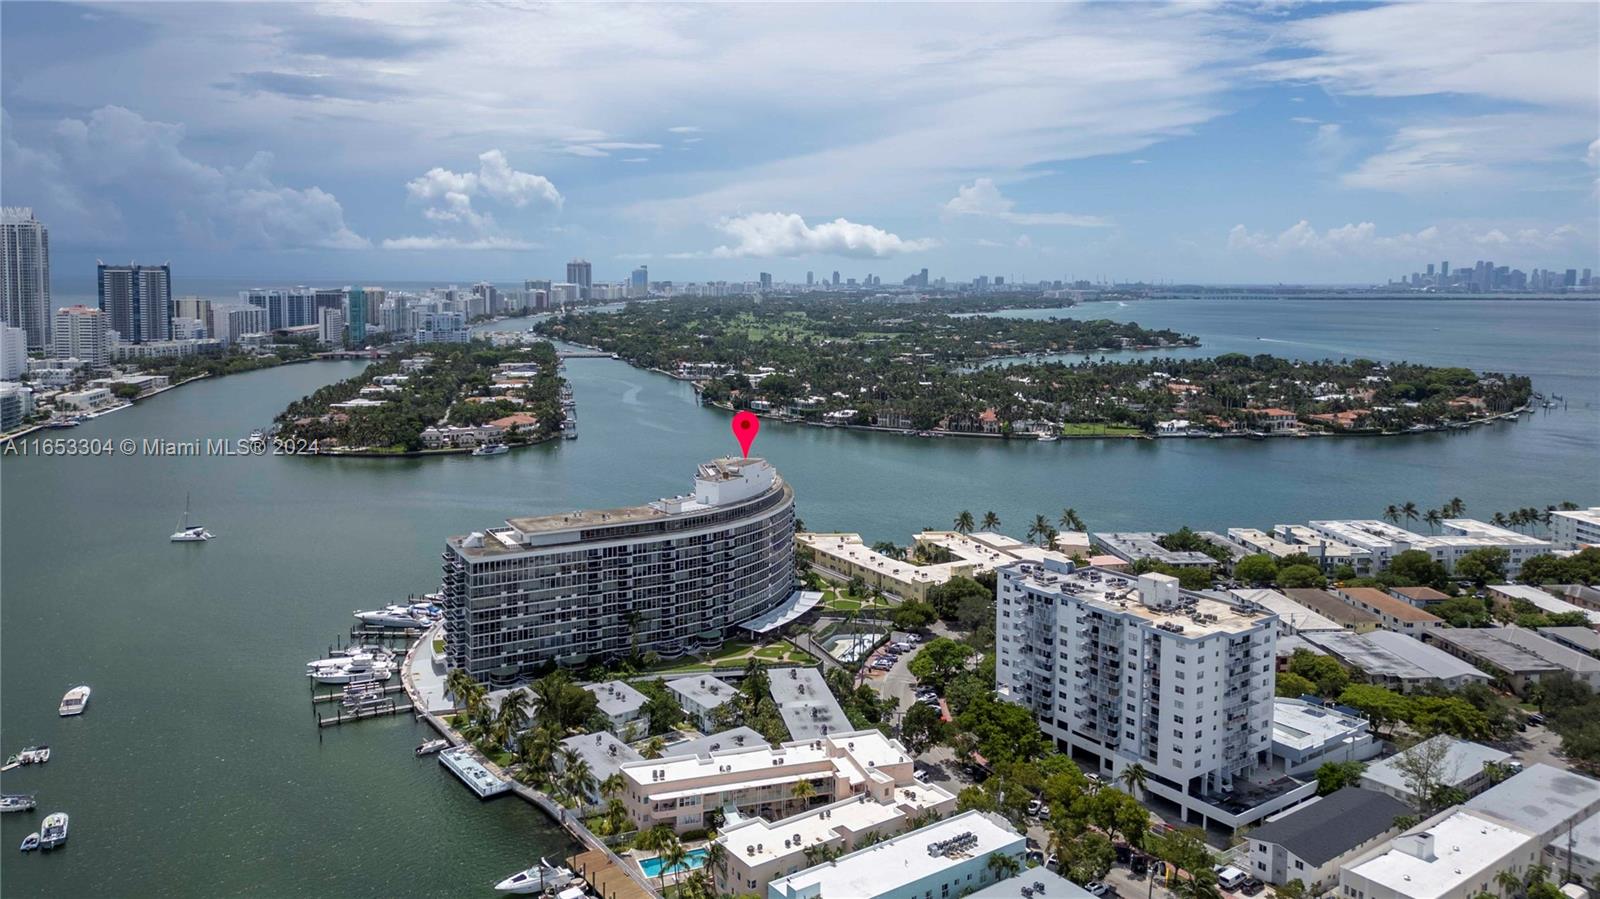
<point>1256,569</point>
<point>964,522</point>
<point>1292,685</point>
<point>990,521</point>
<point>1335,776</point>
<point>939,660</point>
<point>1072,521</point>
<point>1297,576</point>
<point>1133,779</point>
<point>922,728</point>
<point>1329,676</point>
<point>1483,565</point>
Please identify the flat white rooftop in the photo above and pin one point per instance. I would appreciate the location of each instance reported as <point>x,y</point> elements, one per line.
<point>617,698</point>
<point>1464,844</point>
<point>1303,726</point>
<point>797,758</point>
<point>806,704</point>
<point>1541,799</point>
<point>757,841</point>
<point>884,867</point>
<point>1120,594</point>
<point>703,690</point>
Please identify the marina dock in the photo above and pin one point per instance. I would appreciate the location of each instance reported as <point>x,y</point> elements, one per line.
<point>344,716</point>
<point>338,695</point>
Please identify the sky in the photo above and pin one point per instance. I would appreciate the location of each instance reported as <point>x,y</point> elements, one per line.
<point>1202,142</point>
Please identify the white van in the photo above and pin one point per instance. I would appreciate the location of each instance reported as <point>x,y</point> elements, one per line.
<point>1231,878</point>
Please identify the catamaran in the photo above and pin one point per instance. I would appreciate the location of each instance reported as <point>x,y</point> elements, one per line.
<point>74,702</point>
<point>190,533</point>
<point>537,879</point>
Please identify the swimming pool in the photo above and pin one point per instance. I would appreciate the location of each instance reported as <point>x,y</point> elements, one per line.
<point>695,859</point>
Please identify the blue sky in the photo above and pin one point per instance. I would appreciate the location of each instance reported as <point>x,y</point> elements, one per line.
<point>1202,142</point>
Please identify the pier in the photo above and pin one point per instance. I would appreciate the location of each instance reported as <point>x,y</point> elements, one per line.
<point>338,695</point>
<point>343,716</point>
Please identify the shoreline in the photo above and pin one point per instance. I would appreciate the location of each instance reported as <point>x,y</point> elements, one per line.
<point>415,454</point>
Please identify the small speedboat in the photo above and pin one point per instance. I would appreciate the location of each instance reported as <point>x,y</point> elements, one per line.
<point>491,449</point>
<point>33,755</point>
<point>54,831</point>
<point>432,746</point>
<point>537,879</point>
<point>76,700</point>
<point>30,842</point>
<point>17,803</point>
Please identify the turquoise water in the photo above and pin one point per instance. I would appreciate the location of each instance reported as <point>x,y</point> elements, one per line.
<point>695,858</point>
<point>198,769</point>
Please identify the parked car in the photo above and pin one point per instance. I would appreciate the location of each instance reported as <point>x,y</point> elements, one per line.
<point>1034,806</point>
<point>1139,865</point>
<point>1536,718</point>
<point>1252,886</point>
<point>1096,888</point>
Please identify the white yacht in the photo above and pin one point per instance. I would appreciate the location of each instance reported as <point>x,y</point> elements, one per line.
<point>74,702</point>
<point>537,879</point>
<point>17,803</point>
<point>351,670</point>
<point>392,616</point>
<point>491,449</point>
<point>54,831</point>
<point>189,533</point>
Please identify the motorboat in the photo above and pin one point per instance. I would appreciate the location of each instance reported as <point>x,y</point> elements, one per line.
<point>257,437</point>
<point>76,700</point>
<point>189,533</point>
<point>30,842</point>
<point>33,755</point>
<point>537,879</point>
<point>1048,438</point>
<point>54,831</point>
<point>391,616</point>
<point>351,671</point>
<point>491,449</point>
<point>17,803</point>
<point>432,746</point>
<point>426,610</point>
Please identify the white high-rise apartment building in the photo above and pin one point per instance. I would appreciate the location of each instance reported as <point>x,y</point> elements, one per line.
<point>25,275</point>
<point>1134,670</point>
<point>13,352</point>
<point>82,332</point>
<point>228,321</point>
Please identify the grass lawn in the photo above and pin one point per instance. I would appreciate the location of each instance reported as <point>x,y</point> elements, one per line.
<point>1096,429</point>
<point>771,653</point>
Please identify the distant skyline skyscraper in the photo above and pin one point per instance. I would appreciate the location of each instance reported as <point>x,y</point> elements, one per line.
<point>25,274</point>
<point>766,280</point>
<point>139,300</point>
<point>81,332</point>
<point>356,321</point>
<point>579,272</point>
<point>810,278</point>
<point>640,282</point>
<point>836,278</point>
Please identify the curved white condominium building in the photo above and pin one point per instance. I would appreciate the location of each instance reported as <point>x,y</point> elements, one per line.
<point>665,577</point>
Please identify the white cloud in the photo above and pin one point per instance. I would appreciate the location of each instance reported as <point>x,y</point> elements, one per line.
<point>1358,241</point>
<point>441,242</point>
<point>1538,53</point>
<point>765,234</point>
<point>92,165</point>
<point>683,129</point>
<point>1329,145</point>
<point>1138,162</point>
<point>447,199</point>
<point>983,198</point>
<point>1477,151</point>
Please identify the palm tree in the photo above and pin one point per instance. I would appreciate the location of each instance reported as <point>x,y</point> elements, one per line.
<point>1508,882</point>
<point>655,838</point>
<point>1071,521</point>
<point>615,815</point>
<point>803,790</point>
<point>990,521</point>
<point>673,855</point>
<point>1457,507</point>
<point>653,748</point>
<point>1003,865</point>
<point>1392,514</point>
<point>1409,510</point>
<point>1038,530</point>
<point>716,856</point>
<point>1432,517</point>
<point>964,522</point>
<point>612,785</point>
<point>1133,778</point>
<point>514,712</point>
<point>1499,519</point>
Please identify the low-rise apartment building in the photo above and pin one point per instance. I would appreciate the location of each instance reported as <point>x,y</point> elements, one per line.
<point>1393,614</point>
<point>1397,661</point>
<point>1453,855</point>
<point>845,557</point>
<point>1133,546</point>
<point>1518,656</point>
<point>945,860</point>
<point>1574,529</point>
<point>757,851</point>
<point>1308,843</point>
<point>1334,609</point>
<point>760,780</point>
<point>1462,768</point>
<point>1305,735</point>
<point>623,706</point>
<point>701,695</point>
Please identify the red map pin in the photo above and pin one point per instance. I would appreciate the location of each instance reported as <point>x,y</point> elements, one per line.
<point>745,428</point>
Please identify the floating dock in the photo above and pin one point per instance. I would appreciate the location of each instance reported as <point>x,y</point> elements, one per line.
<point>463,763</point>
<point>338,695</point>
<point>345,716</point>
